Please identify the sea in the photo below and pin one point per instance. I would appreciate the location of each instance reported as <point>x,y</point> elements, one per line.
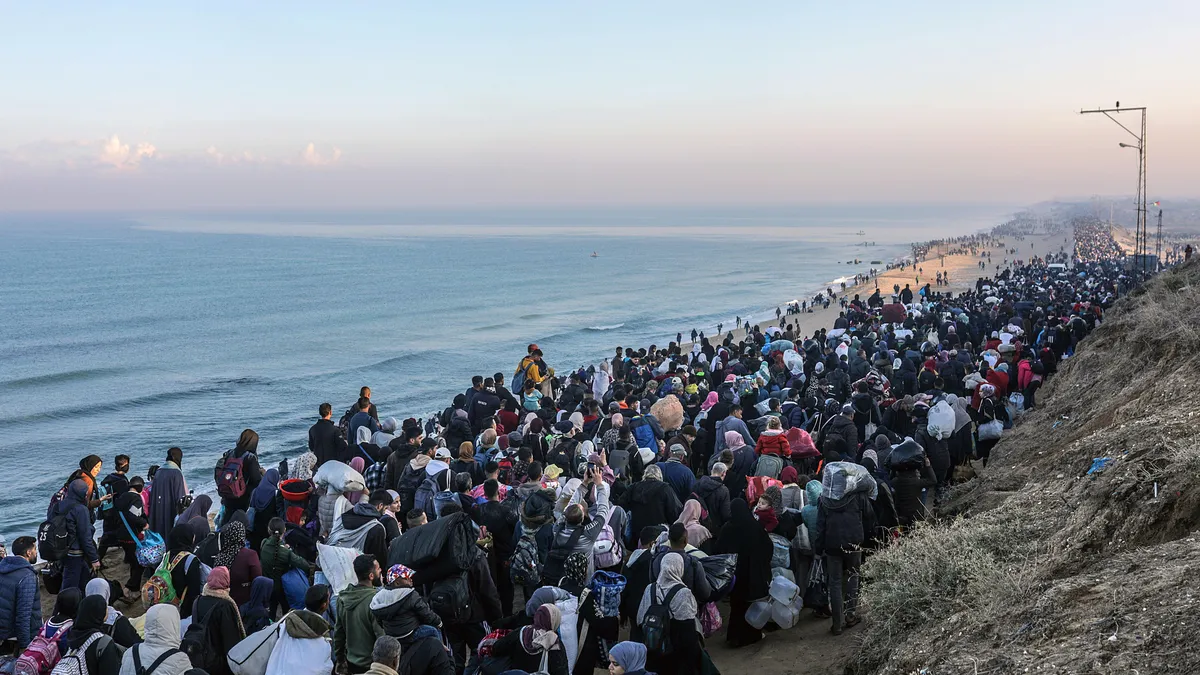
<point>132,333</point>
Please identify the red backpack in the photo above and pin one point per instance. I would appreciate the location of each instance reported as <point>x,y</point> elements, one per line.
<point>40,657</point>
<point>231,478</point>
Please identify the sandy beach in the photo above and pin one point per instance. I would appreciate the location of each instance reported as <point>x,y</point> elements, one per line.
<point>962,268</point>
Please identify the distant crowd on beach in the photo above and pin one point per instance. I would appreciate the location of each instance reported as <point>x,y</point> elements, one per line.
<point>618,517</point>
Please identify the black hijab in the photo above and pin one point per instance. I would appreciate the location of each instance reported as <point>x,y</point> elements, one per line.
<point>88,620</point>
<point>745,536</point>
<point>182,538</point>
<point>66,605</point>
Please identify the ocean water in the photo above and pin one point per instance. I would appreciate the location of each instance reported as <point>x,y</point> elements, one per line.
<point>133,334</point>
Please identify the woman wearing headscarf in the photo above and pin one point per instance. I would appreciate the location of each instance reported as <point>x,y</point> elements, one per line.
<point>155,655</point>
<point>601,381</point>
<point>66,606</point>
<point>745,536</point>
<point>961,442</point>
<point>684,630</point>
<point>200,527</point>
<point>627,658</point>
<point>89,638</point>
<point>987,411</point>
<point>222,622</point>
<point>246,450</point>
<point>301,468</point>
<point>355,496</point>
<point>119,628</point>
<point>167,489</point>
<point>185,568</point>
<point>243,563</point>
<point>264,505</point>
<point>689,517</point>
<point>200,507</point>
<point>537,647</point>
<point>256,613</point>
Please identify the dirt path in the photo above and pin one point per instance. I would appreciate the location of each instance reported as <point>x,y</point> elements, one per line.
<point>807,649</point>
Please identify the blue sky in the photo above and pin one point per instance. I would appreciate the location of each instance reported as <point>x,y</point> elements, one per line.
<point>181,105</point>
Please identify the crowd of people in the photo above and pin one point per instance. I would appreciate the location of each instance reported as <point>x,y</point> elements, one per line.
<point>663,495</point>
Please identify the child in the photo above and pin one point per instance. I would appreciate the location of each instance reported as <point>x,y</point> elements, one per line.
<point>398,608</point>
<point>277,559</point>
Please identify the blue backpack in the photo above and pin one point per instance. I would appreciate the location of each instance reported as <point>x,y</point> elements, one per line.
<point>643,433</point>
<point>607,587</point>
<point>425,493</point>
<point>439,502</point>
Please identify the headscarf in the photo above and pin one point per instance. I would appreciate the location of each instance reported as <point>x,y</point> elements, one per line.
<point>66,605</point>
<point>247,442</point>
<point>618,420</point>
<point>217,586</point>
<point>231,539</point>
<point>653,472</point>
<point>734,440</point>
<point>631,656</point>
<point>789,475</point>
<point>689,517</point>
<point>302,467</point>
<point>200,507</point>
<point>363,435</point>
<point>670,574</point>
<point>99,586</point>
<point>709,401</point>
<point>162,635</point>
<point>181,538</point>
<point>576,421</point>
<point>961,417</point>
<point>200,527</point>
<point>261,497</point>
<point>358,464</point>
<point>543,634</point>
<point>260,596</point>
<point>88,619</point>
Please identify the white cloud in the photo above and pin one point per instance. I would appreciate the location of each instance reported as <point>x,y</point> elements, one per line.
<point>312,157</point>
<point>119,155</point>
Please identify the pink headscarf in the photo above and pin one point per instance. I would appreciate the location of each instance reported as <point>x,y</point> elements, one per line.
<point>709,402</point>
<point>358,464</point>
<point>734,440</point>
<point>618,420</point>
<point>697,534</point>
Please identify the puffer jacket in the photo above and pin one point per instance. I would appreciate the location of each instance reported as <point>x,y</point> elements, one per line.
<point>773,442</point>
<point>79,520</point>
<point>20,607</point>
<point>842,524</point>
<point>400,611</point>
<point>715,497</point>
<point>424,653</point>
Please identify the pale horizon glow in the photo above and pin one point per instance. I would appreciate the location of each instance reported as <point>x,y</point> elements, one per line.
<point>405,105</point>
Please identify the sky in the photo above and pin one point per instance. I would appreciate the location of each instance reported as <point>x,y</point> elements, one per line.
<point>182,105</point>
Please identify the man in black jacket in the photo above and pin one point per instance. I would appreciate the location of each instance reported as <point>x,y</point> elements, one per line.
<point>325,439</point>
<point>714,494</point>
<point>842,525</point>
<point>485,404</point>
<point>500,519</point>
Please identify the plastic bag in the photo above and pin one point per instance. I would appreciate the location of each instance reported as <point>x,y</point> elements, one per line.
<point>718,569</point>
<point>710,619</point>
<point>340,477</point>
<point>299,656</point>
<point>337,563</point>
<point>908,455</point>
<point>990,431</point>
<point>793,361</point>
<point>843,478</point>
<point>250,656</point>
<point>295,585</point>
<point>941,421</point>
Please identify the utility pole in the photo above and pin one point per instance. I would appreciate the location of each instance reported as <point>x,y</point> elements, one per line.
<point>1158,244</point>
<point>1141,240</point>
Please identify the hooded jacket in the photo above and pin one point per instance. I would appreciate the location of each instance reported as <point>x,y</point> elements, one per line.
<point>303,646</point>
<point>773,442</point>
<point>79,521</point>
<point>424,654</point>
<point>162,635</point>
<point>20,606</point>
<point>841,523</point>
<point>360,528</point>
<point>715,497</point>
<point>356,631</point>
<point>841,427</point>
<point>651,502</point>
<point>400,611</point>
<point>679,477</point>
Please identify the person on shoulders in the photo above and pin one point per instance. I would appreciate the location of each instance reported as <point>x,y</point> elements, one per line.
<point>20,599</point>
<point>398,608</point>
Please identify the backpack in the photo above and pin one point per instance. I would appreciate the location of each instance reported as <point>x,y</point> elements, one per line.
<point>231,476</point>
<point>427,489</point>
<point>526,565</point>
<point>107,504</point>
<point>138,669</point>
<point>344,422</point>
<point>440,500</point>
<point>374,476</point>
<point>195,642</point>
<point>42,653</point>
<point>769,465</point>
<point>506,469</point>
<point>407,485</point>
<point>518,381</point>
<point>643,433</point>
<point>607,588</point>
<point>607,550</point>
<point>54,538</point>
<point>74,662</point>
<point>556,559</point>
<point>158,588</point>
<point>656,624</point>
<point>450,599</point>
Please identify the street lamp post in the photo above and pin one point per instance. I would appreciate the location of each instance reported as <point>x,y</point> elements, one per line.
<point>1141,241</point>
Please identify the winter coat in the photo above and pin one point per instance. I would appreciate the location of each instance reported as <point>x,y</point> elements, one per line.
<point>79,522</point>
<point>356,627</point>
<point>20,604</point>
<point>222,628</point>
<point>906,493</point>
<point>938,451</point>
<point>651,502</point>
<point>773,442</point>
<point>277,559</point>
<point>325,441</point>
<point>842,523</point>
<point>162,635</point>
<point>425,655</point>
<point>400,611</point>
<point>841,427</point>
<point>730,423</point>
<point>679,477</point>
<point>715,497</point>
<point>839,384</point>
<point>302,648</point>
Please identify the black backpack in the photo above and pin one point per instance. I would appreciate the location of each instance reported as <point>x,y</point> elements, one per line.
<point>195,642</point>
<point>656,624</point>
<point>137,660</point>
<point>556,559</point>
<point>54,538</point>
<point>450,599</point>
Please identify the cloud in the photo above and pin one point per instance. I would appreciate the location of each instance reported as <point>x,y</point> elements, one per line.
<point>312,157</point>
<point>213,155</point>
<point>119,155</point>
